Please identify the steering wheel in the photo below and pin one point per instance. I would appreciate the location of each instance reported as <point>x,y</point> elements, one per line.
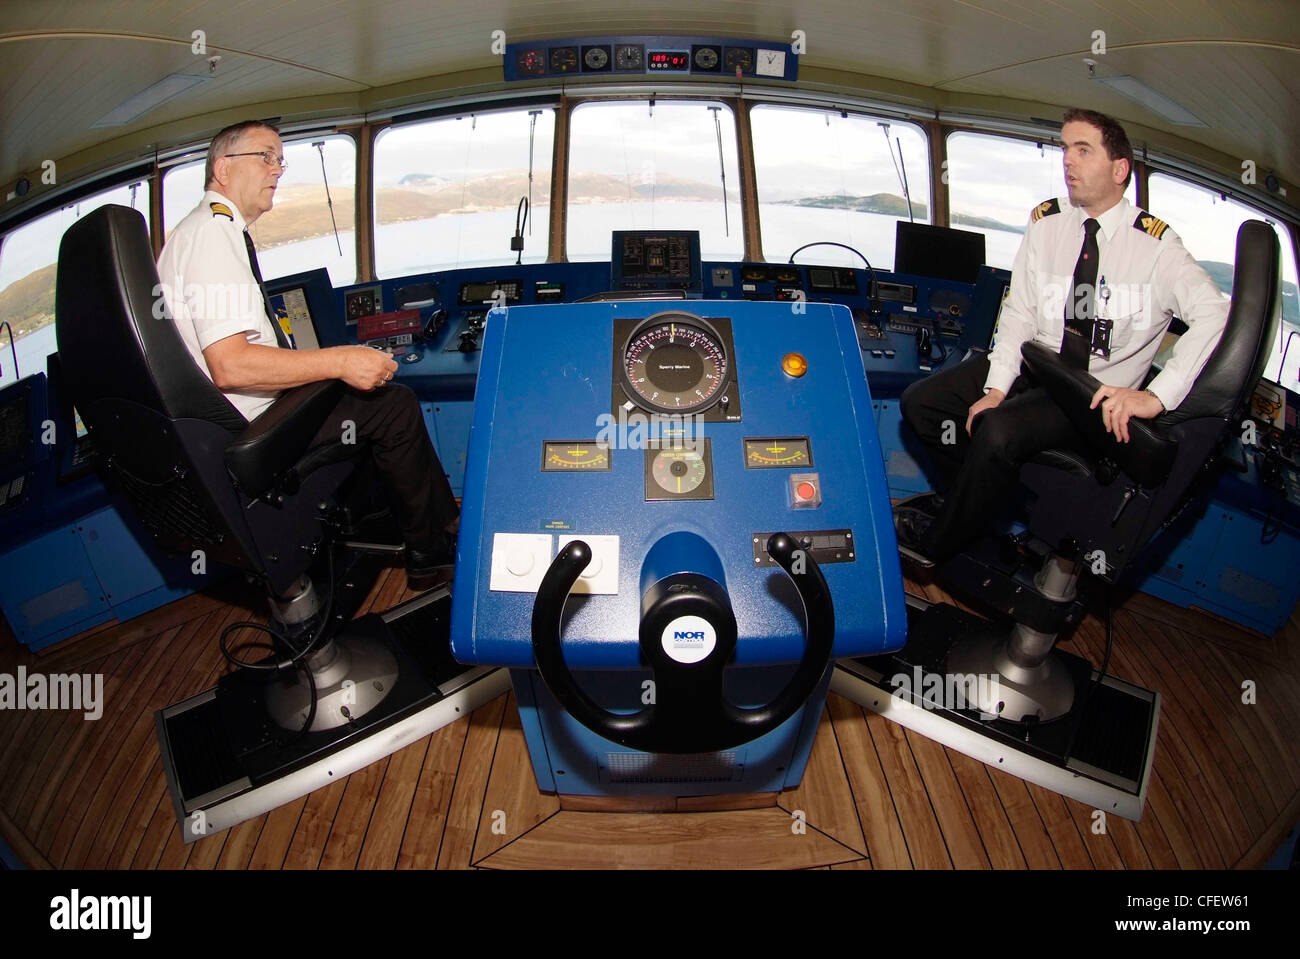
<point>689,713</point>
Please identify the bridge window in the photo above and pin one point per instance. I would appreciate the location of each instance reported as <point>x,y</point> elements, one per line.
<point>28,264</point>
<point>824,175</point>
<point>447,191</point>
<point>298,232</point>
<point>1207,222</point>
<point>634,165</point>
<point>993,183</point>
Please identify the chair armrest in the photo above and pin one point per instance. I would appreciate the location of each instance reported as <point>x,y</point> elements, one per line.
<point>273,443</point>
<point>1149,454</point>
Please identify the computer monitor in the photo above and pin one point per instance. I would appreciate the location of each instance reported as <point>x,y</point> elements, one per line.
<point>655,260</point>
<point>938,251</point>
<point>307,300</point>
<point>991,288</point>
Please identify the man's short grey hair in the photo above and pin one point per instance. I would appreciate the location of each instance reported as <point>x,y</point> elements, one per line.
<point>224,142</point>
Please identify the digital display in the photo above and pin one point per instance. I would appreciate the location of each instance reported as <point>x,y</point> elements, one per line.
<point>668,60</point>
<point>472,294</point>
<point>645,259</point>
<point>81,427</point>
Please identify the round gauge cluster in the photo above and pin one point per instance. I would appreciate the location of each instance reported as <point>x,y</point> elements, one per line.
<point>679,471</point>
<point>675,363</point>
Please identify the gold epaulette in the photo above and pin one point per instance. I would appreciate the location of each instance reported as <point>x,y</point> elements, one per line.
<point>1149,224</point>
<point>1046,208</point>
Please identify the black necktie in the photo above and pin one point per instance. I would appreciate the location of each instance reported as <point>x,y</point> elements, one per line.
<point>270,310</point>
<point>1080,310</point>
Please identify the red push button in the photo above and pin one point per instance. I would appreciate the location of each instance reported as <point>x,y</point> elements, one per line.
<point>805,491</point>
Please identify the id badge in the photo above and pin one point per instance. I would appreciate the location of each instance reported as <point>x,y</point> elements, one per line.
<point>1101,337</point>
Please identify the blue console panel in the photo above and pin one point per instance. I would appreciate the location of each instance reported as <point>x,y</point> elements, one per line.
<point>547,373</point>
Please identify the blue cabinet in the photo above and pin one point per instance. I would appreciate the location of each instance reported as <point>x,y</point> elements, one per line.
<point>68,579</point>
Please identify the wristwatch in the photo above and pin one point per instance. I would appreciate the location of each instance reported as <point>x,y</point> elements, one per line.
<point>1158,400</point>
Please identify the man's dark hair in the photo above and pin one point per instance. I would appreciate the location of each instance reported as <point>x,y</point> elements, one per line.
<point>225,141</point>
<point>1113,137</point>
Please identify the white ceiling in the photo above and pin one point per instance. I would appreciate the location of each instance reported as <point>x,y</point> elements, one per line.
<point>64,65</point>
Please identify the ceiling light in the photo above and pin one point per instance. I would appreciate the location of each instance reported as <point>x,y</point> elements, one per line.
<point>148,98</point>
<point>1153,100</point>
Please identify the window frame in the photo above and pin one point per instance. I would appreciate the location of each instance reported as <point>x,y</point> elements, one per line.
<point>743,175</point>
<point>451,112</point>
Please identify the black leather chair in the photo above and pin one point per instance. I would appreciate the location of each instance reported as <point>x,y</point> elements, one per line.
<point>200,477</point>
<point>1095,511</point>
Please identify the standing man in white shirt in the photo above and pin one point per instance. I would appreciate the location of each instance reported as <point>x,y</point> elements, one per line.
<point>1097,279</point>
<point>213,287</point>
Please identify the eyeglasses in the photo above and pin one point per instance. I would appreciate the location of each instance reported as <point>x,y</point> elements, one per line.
<point>269,158</point>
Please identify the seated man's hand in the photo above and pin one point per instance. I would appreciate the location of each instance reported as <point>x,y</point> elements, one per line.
<point>991,399</point>
<point>1119,403</point>
<point>364,368</point>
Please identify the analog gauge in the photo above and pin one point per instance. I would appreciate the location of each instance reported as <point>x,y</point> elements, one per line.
<point>674,363</point>
<point>564,59</point>
<point>530,63</point>
<point>706,58</point>
<point>754,274</point>
<point>679,472</point>
<point>595,58</point>
<point>777,453</point>
<point>573,456</point>
<point>629,56</point>
<point>787,276</point>
<point>740,58</point>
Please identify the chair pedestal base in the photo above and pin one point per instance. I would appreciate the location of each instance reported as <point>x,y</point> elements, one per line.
<point>1100,753</point>
<point>1043,690</point>
<point>351,676</point>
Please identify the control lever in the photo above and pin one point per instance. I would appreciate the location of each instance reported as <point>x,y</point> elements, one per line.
<point>924,346</point>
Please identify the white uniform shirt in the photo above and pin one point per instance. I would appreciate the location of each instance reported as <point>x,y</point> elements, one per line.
<point>211,291</point>
<point>1144,276</point>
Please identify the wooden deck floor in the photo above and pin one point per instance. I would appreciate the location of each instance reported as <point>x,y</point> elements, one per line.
<point>1225,790</point>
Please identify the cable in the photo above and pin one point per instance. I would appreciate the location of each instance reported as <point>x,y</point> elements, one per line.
<point>517,241</point>
<point>296,657</point>
<point>12,351</point>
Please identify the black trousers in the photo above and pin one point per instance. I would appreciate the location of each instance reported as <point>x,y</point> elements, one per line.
<point>979,471</point>
<point>389,418</point>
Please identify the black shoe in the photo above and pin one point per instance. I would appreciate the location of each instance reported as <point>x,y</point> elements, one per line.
<point>911,526</point>
<point>427,566</point>
<point>929,503</point>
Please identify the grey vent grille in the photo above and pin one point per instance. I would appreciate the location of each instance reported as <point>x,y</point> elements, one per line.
<point>645,768</point>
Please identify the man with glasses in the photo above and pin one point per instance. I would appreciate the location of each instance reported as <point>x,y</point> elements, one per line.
<point>213,287</point>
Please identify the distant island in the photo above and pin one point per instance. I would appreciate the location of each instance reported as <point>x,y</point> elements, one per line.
<point>891,204</point>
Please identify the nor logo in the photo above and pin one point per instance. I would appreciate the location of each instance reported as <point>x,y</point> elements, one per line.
<point>689,639</point>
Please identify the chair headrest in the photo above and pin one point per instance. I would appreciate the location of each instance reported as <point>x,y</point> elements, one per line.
<point>1237,363</point>
<point>115,332</point>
